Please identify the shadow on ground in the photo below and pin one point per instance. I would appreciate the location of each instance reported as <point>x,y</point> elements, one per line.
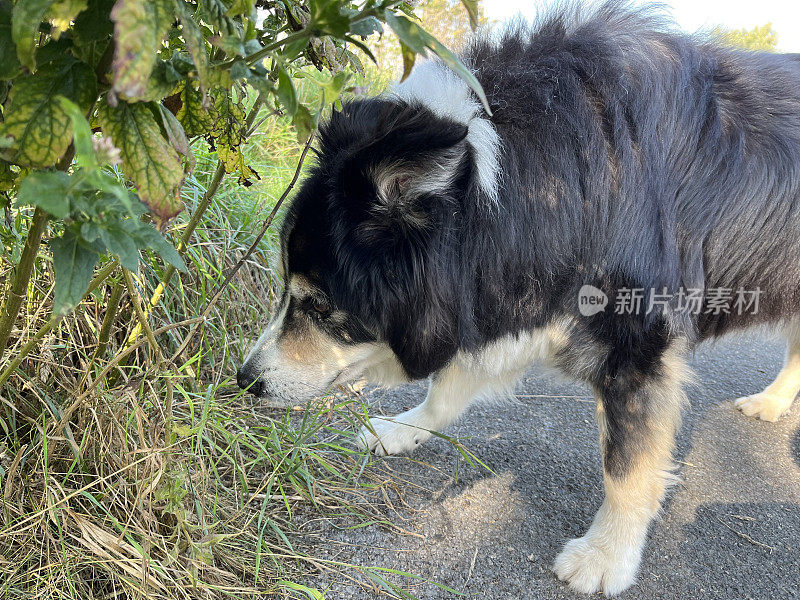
<point>731,529</point>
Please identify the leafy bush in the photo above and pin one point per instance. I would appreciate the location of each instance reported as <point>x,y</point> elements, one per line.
<point>125,462</point>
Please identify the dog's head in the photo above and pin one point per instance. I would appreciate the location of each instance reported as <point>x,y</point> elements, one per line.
<point>369,255</point>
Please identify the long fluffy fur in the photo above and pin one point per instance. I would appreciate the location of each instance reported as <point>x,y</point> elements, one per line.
<point>631,156</point>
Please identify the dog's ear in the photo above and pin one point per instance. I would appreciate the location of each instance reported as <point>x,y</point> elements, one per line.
<point>409,194</point>
<point>399,185</point>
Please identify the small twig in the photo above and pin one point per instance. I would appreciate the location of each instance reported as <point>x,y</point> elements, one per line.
<point>141,316</point>
<point>105,329</point>
<point>264,228</point>
<point>472,565</point>
<point>745,536</point>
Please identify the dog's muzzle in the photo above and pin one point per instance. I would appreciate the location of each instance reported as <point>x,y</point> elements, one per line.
<point>249,382</point>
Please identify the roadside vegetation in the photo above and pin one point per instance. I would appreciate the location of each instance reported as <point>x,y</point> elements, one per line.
<point>145,149</point>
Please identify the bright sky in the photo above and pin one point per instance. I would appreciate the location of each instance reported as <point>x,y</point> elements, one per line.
<point>692,15</point>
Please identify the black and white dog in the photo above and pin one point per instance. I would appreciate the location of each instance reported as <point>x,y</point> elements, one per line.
<point>634,192</point>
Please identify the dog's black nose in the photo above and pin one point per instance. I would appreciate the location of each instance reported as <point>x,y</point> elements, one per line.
<point>246,381</point>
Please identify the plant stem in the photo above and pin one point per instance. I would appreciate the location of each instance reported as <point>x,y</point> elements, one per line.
<point>101,276</point>
<point>269,48</point>
<point>188,231</point>
<point>105,329</point>
<point>141,316</point>
<point>136,300</point>
<point>108,319</point>
<point>22,274</point>
<point>19,285</point>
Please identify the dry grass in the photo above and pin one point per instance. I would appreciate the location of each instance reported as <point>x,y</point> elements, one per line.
<point>100,497</point>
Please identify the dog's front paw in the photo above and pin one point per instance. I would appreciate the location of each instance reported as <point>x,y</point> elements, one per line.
<point>767,407</point>
<point>392,436</point>
<point>588,566</point>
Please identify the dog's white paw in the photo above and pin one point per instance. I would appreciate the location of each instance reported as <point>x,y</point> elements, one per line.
<point>588,566</point>
<point>392,436</point>
<point>767,407</point>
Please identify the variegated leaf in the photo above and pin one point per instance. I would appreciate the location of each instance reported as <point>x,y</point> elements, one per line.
<point>139,29</point>
<point>147,156</point>
<point>37,125</point>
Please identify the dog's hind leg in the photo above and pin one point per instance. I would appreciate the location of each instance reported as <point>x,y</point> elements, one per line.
<point>777,398</point>
<point>450,392</point>
<point>638,413</point>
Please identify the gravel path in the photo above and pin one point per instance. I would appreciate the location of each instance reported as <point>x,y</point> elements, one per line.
<point>731,530</point>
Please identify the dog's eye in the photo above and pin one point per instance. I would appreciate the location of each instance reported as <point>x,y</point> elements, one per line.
<point>321,307</point>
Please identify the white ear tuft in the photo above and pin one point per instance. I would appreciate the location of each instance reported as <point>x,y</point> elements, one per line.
<point>435,86</point>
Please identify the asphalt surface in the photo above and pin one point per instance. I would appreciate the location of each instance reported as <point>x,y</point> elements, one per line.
<point>730,530</point>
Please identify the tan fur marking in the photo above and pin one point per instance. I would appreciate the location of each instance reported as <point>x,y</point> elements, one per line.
<point>300,287</point>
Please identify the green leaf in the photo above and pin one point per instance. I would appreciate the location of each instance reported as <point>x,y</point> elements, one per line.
<point>91,33</point>
<point>230,44</point>
<point>471,7</point>
<point>175,133</point>
<point>147,157</point>
<point>94,24</point>
<point>140,27</point>
<point>82,134</point>
<point>25,21</point>
<point>333,86</point>
<point>53,51</point>
<point>304,123</point>
<point>409,58</point>
<point>287,95</point>
<point>49,190</point>
<point>34,118</point>
<point>326,17</point>
<point>73,264</point>
<point>9,63</point>
<point>90,231</point>
<point>213,12</point>
<point>164,81</point>
<point>240,7</point>
<point>148,237</point>
<point>119,241</point>
<point>419,40</point>
<point>363,47</point>
<point>108,184</point>
<point>8,178</point>
<point>355,62</point>
<point>366,26</point>
<point>293,49</point>
<point>411,34</point>
<point>177,136</point>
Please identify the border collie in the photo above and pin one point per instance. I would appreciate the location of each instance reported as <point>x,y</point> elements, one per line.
<point>633,192</point>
